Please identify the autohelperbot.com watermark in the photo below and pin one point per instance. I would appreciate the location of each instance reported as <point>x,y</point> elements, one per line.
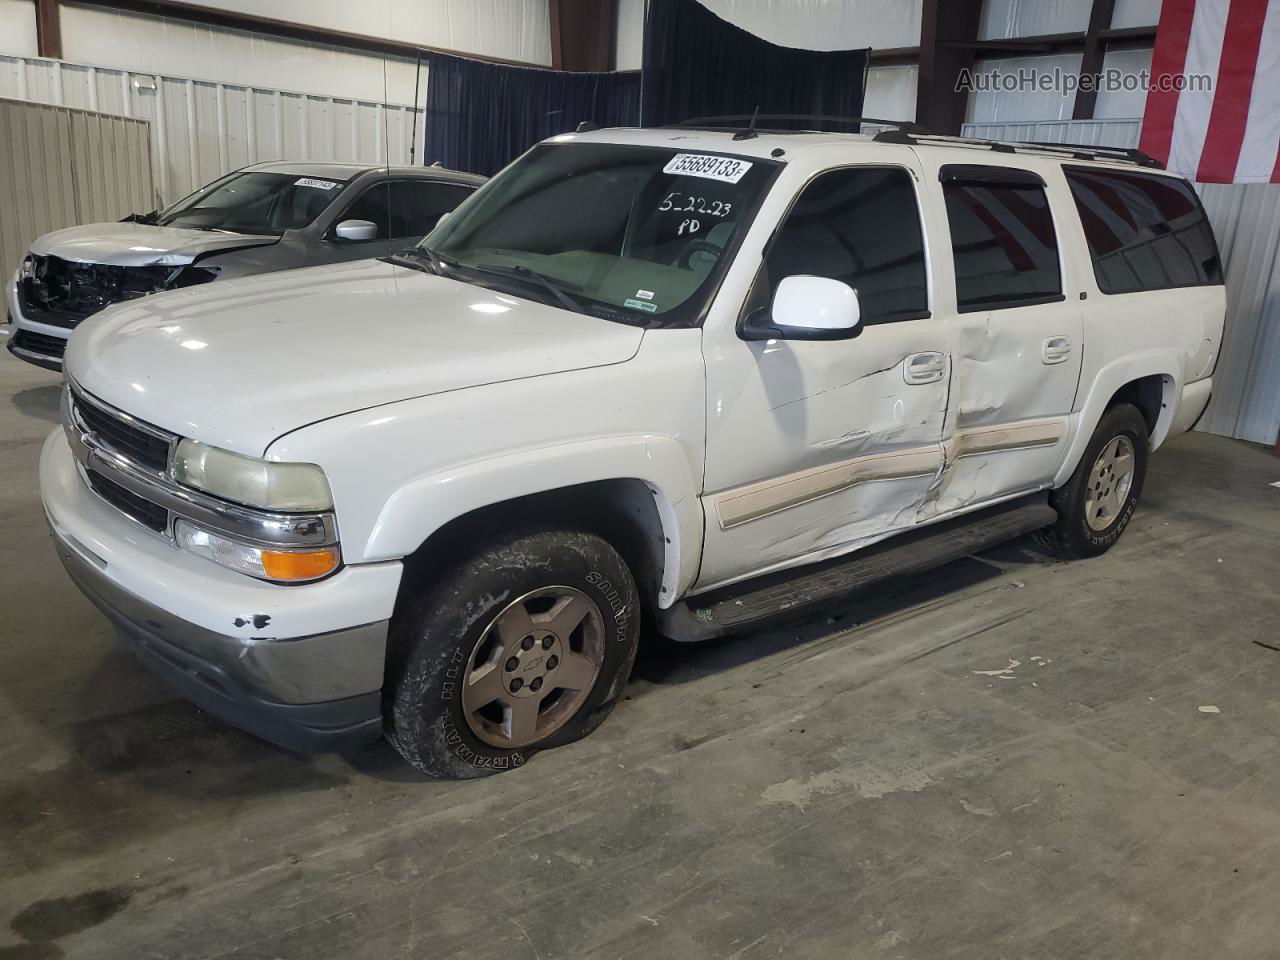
<point>1067,82</point>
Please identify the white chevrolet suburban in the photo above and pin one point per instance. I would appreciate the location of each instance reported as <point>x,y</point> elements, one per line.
<point>688,377</point>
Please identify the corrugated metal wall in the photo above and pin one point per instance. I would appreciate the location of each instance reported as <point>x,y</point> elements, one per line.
<point>200,130</point>
<point>1246,220</point>
<point>1246,387</point>
<point>1098,133</point>
<point>60,167</point>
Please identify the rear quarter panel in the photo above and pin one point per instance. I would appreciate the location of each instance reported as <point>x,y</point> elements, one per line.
<point>1175,334</point>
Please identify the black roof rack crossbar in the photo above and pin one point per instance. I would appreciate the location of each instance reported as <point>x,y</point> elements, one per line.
<point>739,119</point>
<point>1077,151</point>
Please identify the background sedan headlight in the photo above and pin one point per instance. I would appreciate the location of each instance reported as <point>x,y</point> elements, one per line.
<point>287,487</point>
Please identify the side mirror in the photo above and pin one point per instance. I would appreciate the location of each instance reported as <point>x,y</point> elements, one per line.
<point>807,308</point>
<point>356,230</point>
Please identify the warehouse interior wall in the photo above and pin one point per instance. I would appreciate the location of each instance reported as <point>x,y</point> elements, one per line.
<point>1012,19</point>
<point>146,43</point>
<point>18,28</point>
<point>509,29</point>
<point>151,44</point>
<point>202,129</point>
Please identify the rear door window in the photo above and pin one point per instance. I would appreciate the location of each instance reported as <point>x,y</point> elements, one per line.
<point>1003,240</point>
<point>1144,232</point>
<point>431,199</point>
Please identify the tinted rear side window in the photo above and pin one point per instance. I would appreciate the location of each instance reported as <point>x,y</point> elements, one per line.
<point>1003,242</point>
<point>861,226</point>
<point>1144,232</point>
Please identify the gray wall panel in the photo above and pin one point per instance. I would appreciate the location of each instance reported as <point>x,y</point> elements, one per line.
<point>60,167</point>
<point>201,129</point>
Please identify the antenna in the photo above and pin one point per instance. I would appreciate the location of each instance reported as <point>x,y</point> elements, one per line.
<point>386,141</point>
<point>413,129</point>
<point>750,132</point>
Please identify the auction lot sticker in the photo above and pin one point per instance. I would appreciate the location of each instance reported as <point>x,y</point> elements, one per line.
<point>725,169</point>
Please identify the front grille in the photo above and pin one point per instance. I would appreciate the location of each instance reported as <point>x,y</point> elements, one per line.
<point>138,445</point>
<point>150,515</point>
<point>39,343</point>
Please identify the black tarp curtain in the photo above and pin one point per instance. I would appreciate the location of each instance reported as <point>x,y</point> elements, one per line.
<point>480,116</point>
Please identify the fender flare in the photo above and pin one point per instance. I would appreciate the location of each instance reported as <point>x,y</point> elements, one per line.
<point>420,508</point>
<point>1163,362</point>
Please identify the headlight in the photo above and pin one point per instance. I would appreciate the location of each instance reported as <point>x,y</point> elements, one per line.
<point>287,487</point>
<point>266,563</point>
<point>27,269</point>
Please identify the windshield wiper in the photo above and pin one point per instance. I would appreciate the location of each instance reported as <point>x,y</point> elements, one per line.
<point>412,257</point>
<point>560,289</point>
<point>404,260</point>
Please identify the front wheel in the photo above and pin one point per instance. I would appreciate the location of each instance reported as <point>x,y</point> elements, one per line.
<point>1096,504</point>
<point>525,645</point>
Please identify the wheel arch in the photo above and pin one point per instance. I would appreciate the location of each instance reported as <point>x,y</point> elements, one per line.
<point>1150,380</point>
<point>638,493</point>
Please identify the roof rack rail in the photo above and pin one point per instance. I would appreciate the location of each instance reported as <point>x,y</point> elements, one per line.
<point>749,121</point>
<point>1077,151</point>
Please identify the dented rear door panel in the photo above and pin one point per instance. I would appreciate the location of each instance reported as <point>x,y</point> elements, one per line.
<point>1015,371</point>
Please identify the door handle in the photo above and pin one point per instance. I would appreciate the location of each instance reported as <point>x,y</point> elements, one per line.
<point>1055,350</point>
<point>924,368</point>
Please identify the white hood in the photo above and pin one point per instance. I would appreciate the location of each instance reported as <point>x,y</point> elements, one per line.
<point>140,244</point>
<point>239,363</point>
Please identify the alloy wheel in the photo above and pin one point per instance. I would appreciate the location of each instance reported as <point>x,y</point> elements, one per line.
<point>1110,481</point>
<point>533,667</point>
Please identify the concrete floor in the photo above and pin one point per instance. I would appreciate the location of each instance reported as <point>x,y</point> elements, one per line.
<point>1009,757</point>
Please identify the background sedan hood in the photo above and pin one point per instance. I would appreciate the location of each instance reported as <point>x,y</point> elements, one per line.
<point>140,244</point>
<point>239,363</point>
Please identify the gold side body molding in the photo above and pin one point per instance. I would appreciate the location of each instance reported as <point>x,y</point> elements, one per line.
<point>766,497</point>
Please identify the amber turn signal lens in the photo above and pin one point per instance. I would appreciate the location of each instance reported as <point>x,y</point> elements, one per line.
<point>293,565</point>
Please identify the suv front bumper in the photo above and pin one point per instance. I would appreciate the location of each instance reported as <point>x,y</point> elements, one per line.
<point>300,666</point>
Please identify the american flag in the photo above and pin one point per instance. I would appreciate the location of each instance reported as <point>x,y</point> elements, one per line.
<point>1225,130</point>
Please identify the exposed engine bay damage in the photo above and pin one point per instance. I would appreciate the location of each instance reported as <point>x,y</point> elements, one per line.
<point>65,292</point>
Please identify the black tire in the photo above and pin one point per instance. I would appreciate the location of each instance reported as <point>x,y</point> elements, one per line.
<point>1072,537</point>
<point>434,639</point>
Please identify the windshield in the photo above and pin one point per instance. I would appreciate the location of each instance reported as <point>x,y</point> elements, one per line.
<point>254,203</point>
<point>640,234</point>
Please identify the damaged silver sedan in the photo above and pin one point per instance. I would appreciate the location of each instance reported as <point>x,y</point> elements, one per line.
<point>267,217</point>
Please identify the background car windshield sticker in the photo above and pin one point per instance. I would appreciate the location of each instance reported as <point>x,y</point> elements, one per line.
<point>311,182</point>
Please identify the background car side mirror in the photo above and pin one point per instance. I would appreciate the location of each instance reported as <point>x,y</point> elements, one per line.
<point>807,308</point>
<point>356,230</point>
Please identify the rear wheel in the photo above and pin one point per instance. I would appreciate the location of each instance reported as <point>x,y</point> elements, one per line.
<point>525,645</point>
<point>1096,504</point>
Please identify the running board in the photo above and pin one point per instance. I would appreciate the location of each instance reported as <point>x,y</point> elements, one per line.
<point>792,593</point>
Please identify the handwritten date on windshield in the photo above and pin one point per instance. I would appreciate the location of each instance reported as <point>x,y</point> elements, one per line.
<point>689,203</point>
